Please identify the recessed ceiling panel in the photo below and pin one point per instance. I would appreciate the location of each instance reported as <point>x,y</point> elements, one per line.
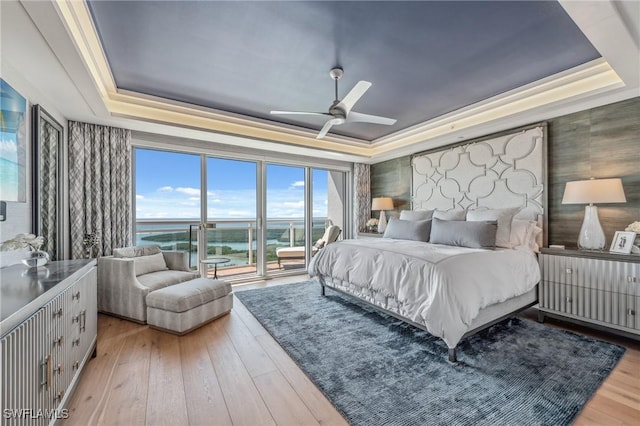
<point>425,59</point>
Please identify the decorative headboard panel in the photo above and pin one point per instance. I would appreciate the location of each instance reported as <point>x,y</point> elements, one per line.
<point>503,171</point>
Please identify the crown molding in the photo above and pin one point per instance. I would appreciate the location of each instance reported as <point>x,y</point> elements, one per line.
<point>539,98</point>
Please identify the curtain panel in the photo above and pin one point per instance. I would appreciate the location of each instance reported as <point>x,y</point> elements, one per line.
<point>361,196</point>
<point>99,188</point>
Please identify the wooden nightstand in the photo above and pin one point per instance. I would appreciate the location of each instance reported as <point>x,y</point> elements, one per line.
<point>598,288</point>
<point>369,235</point>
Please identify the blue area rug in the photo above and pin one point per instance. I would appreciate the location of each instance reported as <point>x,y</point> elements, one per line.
<point>377,370</point>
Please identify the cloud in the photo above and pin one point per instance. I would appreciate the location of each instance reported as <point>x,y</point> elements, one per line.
<point>294,204</point>
<point>194,198</point>
<point>139,197</point>
<point>215,200</point>
<point>297,184</point>
<point>156,215</point>
<point>240,214</point>
<point>165,189</point>
<point>189,191</point>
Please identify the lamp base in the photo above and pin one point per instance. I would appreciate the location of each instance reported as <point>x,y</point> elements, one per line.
<point>382,222</point>
<point>591,233</point>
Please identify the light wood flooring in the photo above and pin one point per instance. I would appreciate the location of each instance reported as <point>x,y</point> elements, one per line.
<point>231,371</point>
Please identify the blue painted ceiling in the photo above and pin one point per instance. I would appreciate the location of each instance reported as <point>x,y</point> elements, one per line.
<point>424,58</point>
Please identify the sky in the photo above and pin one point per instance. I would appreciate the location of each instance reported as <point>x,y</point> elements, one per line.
<point>168,187</point>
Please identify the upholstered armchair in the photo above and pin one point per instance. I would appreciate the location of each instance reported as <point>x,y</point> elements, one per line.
<point>125,279</point>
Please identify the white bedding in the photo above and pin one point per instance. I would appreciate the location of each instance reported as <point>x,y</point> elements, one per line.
<point>440,287</point>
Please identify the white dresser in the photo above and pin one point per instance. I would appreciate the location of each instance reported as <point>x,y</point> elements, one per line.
<point>598,288</point>
<point>49,331</point>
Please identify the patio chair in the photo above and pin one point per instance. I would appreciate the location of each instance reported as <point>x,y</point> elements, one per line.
<point>331,234</point>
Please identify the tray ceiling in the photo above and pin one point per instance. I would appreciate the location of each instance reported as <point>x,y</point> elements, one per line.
<point>425,59</point>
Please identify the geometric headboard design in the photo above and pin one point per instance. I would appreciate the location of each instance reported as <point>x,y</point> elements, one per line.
<point>505,171</point>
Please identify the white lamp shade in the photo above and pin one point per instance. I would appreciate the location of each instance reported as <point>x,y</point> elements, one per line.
<point>594,191</point>
<point>382,203</point>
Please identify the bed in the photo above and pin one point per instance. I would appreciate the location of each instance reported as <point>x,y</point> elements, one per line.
<point>452,291</point>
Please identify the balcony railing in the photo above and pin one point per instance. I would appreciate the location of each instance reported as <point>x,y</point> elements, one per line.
<point>235,239</point>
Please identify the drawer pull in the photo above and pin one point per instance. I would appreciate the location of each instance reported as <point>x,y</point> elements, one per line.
<point>631,312</point>
<point>76,365</point>
<point>57,313</point>
<point>75,295</point>
<point>45,372</point>
<point>631,279</point>
<point>58,341</point>
<point>83,326</point>
<point>76,318</point>
<point>76,342</point>
<point>59,369</point>
<point>569,271</point>
<point>568,299</point>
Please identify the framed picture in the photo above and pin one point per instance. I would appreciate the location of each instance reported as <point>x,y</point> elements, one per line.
<point>622,242</point>
<point>13,144</point>
<point>47,135</point>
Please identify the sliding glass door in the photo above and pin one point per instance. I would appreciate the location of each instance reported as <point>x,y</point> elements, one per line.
<point>236,218</point>
<point>285,218</point>
<point>167,200</point>
<point>230,233</point>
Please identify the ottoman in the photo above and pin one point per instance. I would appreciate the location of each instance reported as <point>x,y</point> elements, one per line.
<point>186,306</point>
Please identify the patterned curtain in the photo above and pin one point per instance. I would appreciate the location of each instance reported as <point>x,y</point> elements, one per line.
<point>361,196</point>
<point>99,188</point>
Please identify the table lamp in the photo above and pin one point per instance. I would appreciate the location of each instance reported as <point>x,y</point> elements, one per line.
<point>589,192</point>
<point>382,204</point>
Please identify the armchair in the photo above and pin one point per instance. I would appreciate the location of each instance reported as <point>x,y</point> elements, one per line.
<point>331,234</point>
<point>125,279</point>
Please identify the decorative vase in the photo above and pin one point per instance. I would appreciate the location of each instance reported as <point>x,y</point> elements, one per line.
<point>36,258</point>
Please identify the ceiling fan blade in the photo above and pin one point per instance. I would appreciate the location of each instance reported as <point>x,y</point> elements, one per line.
<point>327,126</point>
<point>358,117</point>
<point>298,113</point>
<point>352,97</point>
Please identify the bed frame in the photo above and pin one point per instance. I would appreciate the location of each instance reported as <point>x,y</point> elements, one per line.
<point>508,169</point>
<point>487,317</point>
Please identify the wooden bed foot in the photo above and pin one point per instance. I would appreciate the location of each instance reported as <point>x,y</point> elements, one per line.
<point>322,290</point>
<point>452,355</point>
<point>540,316</point>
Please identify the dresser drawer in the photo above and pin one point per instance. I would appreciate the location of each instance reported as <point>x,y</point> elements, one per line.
<point>591,304</point>
<point>606,275</point>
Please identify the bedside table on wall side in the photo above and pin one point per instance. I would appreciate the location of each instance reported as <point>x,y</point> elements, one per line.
<point>593,288</point>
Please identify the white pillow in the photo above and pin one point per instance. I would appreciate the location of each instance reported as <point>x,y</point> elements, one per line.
<point>523,233</point>
<point>416,214</point>
<point>449,214</point>
<point>147,264</point>
<point>504,217</point>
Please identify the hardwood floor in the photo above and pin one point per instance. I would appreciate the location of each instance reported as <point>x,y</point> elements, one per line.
<point>232,371</point>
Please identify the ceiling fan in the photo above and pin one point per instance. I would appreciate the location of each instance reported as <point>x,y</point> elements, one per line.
<point>340,110</point>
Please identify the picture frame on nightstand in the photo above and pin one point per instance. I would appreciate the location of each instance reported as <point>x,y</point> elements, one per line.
<point>622,242</point>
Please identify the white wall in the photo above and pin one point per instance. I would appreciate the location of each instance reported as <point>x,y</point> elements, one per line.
<point>29,66</point>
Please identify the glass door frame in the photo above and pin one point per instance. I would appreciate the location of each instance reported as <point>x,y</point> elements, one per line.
<point>261,162</point>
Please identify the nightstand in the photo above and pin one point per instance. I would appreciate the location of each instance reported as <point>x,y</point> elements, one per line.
<point>369,235</point>
<point>599,289</point>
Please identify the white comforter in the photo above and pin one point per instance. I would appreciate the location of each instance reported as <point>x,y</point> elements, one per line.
<point>439,286</point>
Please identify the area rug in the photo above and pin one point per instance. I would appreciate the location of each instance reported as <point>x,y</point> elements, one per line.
<point>377,370</point>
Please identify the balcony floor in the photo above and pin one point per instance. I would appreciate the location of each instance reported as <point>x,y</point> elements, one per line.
<point>249,271</point>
